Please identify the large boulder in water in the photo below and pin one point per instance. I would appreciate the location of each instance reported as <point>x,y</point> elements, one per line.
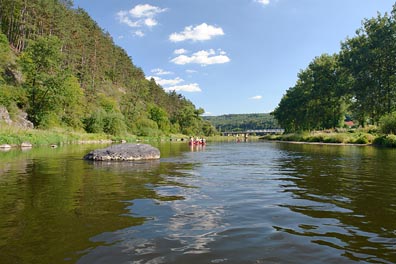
<point>127,152</point>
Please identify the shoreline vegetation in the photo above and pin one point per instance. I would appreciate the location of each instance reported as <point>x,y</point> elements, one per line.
<point>353,137</point>
<point>16,137</point>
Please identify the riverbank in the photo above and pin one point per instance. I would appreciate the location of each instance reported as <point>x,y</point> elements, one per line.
<point>353,137</point>
<point>16,137</point>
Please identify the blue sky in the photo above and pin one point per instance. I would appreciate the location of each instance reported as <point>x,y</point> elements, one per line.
<point>230,56</point>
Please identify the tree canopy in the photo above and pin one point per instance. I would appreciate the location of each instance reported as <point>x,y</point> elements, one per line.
<point>359,81</point>
<point>242,122</point>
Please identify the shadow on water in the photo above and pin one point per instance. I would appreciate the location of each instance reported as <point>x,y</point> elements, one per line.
<point>352,191</point>
<point>52,202</point>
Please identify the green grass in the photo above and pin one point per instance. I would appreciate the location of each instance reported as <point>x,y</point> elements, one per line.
<point>15,136</point>
<point>356,137</point>
<point>386,141</point>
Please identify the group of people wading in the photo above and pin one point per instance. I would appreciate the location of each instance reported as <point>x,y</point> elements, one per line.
<point>197,141</point>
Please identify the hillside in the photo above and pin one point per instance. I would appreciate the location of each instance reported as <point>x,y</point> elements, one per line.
<point>61,68</point>
<point>241,122</point>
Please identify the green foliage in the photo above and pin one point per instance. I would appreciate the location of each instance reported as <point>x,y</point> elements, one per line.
<point>159,116</point>
<point>41,66</point>
<point>95,122</point>
<point>388,124</point>
<point>114,124</point>
<point>386,141</point>
<point>322,137</point>
<point>5,56</point>
<point>359,82</point>
<point>101,121</point>
<point>318,99</point>
<point>72,101</point>
<point>147,127</point>
<point>241,122</point>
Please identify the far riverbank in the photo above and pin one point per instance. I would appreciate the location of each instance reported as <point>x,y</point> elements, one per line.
<point>353,137</point>
<point>15,137</point>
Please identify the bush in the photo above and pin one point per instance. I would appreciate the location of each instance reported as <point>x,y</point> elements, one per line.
<point>388,123</point>
<point>49,120</point>
<point>147,127</point>
<point>361,138</point>
<point>95,122</point>
<point>100,121</point>
<point>114,124</point>
<point>336,138</point>
<point>385,141</point>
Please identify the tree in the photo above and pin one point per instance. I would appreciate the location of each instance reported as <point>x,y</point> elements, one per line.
<point>318,99</point>
<point>41,66</point>
<point>370,58</point>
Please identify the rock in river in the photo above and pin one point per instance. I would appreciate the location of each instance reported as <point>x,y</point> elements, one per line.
<point>127,152</point>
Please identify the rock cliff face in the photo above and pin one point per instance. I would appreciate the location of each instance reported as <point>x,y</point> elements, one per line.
<point>20,120</point>
<point>124,152</point>
<point>4,116</point>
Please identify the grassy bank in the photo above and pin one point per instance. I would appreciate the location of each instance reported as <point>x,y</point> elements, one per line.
<point>351,137</point>
<point>15,136</point>
<point>368,136</point>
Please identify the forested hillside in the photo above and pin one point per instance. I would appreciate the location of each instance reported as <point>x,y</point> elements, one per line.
<point>358,82</point>
<point>242,122</point>
<point>60,67</point>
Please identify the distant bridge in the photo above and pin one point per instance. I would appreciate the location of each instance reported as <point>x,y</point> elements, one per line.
<point>258,132</point>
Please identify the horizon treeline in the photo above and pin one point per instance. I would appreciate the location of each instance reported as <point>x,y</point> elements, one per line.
<point>242,122</point>
<point>358,83</point>
<point>61,68</point>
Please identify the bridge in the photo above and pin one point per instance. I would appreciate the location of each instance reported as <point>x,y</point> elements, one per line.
<point>257,132</point>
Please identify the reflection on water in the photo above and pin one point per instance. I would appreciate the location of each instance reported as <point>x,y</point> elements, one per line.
<point>353,192</point>
<point>224,203</point>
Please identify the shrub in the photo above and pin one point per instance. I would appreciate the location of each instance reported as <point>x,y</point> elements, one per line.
<point>362,139</point>
<point>385,141</point>
<point>388,123</point>
<point>95,122</point>
<point>114,124</point>
<point>147,127</point>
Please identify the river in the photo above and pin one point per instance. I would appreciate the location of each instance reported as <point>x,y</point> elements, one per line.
<point>257,202</point>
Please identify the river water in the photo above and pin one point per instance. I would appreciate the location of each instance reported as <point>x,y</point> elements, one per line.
<point>257,202</point>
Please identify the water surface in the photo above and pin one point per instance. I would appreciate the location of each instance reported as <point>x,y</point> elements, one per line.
<point>225,203</point>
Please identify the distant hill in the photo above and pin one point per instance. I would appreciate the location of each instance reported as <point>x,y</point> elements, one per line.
<point>241,122</point>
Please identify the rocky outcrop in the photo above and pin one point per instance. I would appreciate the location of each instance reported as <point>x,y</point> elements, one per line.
<point>5,116</point>
<point>20,120</point>
<point>124,152</point>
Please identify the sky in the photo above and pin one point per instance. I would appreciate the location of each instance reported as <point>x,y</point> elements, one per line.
<point>230,56</point>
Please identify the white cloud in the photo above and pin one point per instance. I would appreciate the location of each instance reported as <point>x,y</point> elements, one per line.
<point>180,51</point>
<point>143,11</point>
<point>264,2</point>
<point>165,82</point>
<point>198,33</point>
<point>150,22</point>
<point>139,17</point>
<point>139,33</point>
<point>159,71</point>
<point>203,57</point>
<point>191,71</point>
<point>192,87</point>
<point>124,19</point>
<point>257,97</point>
